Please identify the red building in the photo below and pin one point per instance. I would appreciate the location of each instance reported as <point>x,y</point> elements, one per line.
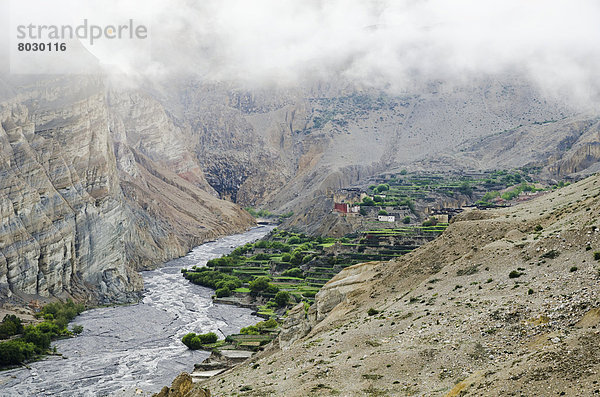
<point>341,207</point>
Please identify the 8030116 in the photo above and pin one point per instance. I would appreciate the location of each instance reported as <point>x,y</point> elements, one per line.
<point>42,47</point>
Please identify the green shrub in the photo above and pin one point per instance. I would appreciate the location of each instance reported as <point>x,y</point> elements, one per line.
<point>208,338</point>
<point>270,323</point>
<point>187,339</point>
<point>40,339</point>
<point>293,272</point>
<point>195,341</point>
<point>213,278</point>
<point>465,188</point>
<point>296,259</point>
<point>538,228</point>
<point>282,298</point>
<point>368,201</point>
<point>223,292</point>
<point>573,269</point>
<point>383,187</point>
<point>16,352</point>
<point>11,325</point>
<point>294,240</point>
<point>278,245</point>
<point>250,330</point>
<point>286,257</point>
<point>406,220</point>
<point>597,255</point>
<point>515,274</point>
<point>372,312</point>
<point>382,212</point>
<point>62,312</point>
<point>261,244</point>
<point>77,329</point>
<point>259,284</point>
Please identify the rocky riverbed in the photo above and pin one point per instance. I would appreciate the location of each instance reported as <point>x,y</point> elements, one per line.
<point>137,346</point>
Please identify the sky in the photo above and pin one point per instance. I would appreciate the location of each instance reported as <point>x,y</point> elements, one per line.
<point>383,44</point>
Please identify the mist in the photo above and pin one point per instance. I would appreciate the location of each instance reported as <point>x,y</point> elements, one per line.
<point>388,45</point>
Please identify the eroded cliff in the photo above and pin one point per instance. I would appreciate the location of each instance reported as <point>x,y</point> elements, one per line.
<point>95,186</point>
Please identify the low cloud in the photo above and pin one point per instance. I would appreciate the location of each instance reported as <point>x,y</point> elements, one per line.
<point>385,44</point>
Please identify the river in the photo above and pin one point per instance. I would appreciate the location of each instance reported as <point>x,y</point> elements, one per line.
<point>137,346</point>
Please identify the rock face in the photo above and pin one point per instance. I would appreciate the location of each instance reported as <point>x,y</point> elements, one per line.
<point>182,387</point>
<point>299,322</point>
<point>95,186</point>
<point>282,149</point>
<point>504,302</point>
<point>561,147</point>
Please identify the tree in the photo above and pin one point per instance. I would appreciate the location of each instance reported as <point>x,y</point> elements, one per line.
<point>406,220</point>
<point>465,188</point>
<point>187,339</point>
<point>259,284</point>
<point>195,342</point>
<point>296,259</point>
<point>208,338</point>
<point>40,339</point>
<point>383,187</point>
<point>382,212</point>
<point>223,292</point>
<point>250,330</point>
<point>368,201</point>
<point>282,298</point>
<point>15,352</point>
<point>11,325</point>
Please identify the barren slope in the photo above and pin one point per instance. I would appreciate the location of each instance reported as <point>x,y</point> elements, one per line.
<point>280,148</point>
<point>452,320</point>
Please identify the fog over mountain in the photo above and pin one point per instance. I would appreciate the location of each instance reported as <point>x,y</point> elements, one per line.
<point>382,44</point>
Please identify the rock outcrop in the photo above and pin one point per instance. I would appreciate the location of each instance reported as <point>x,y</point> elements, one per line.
<point>94,187</point>
<point>300,321</point>
<point>182,387</point>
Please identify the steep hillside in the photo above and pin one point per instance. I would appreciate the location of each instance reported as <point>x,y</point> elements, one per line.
<point>505,302</point>
<point>283,149</point>
<point>560,147</point>
<point>94,189</point>
<point>279,148</point>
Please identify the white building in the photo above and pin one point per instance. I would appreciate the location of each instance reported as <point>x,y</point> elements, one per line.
<point>386,218</point>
